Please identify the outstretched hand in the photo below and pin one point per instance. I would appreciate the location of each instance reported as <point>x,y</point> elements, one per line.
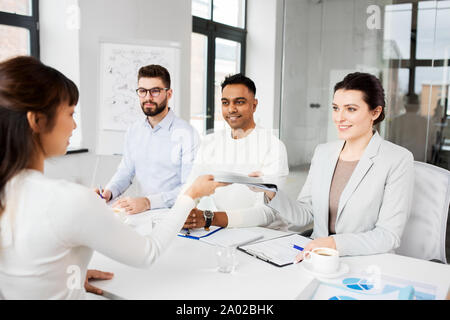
<point>203,186</point>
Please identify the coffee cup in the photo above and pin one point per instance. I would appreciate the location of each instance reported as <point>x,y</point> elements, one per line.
<point>322,260</point>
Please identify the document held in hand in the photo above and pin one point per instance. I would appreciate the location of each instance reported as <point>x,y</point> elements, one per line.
<point>264,182</point>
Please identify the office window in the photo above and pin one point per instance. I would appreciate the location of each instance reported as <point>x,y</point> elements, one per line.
<point>428,45</point>
<point>397,31</point>
<point>425,56</point>
<point>199,55</point>
<point>433,30</point>
<point>201,8</point>
<point>227,62</point>
<point>230,12</point>
<point>19,29</point>
<point>218,49</point>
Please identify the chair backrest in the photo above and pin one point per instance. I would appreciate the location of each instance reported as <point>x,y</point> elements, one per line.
<point>424,234</point>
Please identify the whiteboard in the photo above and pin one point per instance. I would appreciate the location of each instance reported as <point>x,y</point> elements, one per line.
<point>118,102</point>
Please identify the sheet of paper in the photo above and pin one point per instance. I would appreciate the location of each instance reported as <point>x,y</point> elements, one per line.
<point>264,182</point>
<point>199,232</point>
<point>328,292</point>
<point>232,237</point>
<point>279,250</point>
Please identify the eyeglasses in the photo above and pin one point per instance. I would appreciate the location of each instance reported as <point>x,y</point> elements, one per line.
<point>154,92</point>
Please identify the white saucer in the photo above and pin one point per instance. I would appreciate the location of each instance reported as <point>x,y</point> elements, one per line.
<point>343,269</point>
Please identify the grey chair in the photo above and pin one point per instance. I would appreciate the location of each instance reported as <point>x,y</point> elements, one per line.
<point>425,230</point>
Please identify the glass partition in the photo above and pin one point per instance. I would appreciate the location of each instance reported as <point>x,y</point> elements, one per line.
<point>404,43</point>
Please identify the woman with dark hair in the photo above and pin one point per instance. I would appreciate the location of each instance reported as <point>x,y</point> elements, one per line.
<point>49,228</point>
<point>358,191</point>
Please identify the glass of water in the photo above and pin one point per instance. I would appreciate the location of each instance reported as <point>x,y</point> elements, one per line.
<point>226,258</point>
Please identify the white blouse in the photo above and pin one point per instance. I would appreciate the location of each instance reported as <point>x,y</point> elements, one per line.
<point>50,228</point>
<point>259,151</point>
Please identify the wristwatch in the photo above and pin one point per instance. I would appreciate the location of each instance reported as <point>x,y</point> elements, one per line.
<point>209,215</point>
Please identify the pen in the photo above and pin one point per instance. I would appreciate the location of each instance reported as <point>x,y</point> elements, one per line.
<point>100,193</point>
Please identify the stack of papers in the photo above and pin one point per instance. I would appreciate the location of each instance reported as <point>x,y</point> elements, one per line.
<point>264,182</point>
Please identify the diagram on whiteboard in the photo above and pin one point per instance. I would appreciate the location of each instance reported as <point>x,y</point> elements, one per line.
<point>119,66</point>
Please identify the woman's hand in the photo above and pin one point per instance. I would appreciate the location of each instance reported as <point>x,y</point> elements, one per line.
<point>327,242</point>
<point>203,186</point>
<point>96,274</point>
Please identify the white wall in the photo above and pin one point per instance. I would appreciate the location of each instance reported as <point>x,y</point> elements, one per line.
<point>263,57</point>
<point>160,20</point>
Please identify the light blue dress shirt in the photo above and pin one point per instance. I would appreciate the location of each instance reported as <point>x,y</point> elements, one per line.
<point>161,158</point>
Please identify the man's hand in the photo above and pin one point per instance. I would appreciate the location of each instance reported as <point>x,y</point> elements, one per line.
<point>96,274</point>
<point>195,219</point>
<point>133,205</point>
<point>105,194</point>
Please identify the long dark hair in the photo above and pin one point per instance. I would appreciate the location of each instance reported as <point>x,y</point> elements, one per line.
<point>26,85</point>
<point>370,86</point>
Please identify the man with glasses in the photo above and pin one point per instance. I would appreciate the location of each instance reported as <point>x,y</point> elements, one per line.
<point>159,150</point>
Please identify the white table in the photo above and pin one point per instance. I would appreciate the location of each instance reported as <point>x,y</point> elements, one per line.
<point>187,270</point>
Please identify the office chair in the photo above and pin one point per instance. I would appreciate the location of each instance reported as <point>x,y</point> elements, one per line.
<point>424,234</point>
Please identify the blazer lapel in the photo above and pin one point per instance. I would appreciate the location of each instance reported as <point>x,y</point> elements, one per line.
<point>363,166</point>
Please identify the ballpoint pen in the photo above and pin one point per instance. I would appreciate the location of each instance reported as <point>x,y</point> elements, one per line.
<point>100,192</point>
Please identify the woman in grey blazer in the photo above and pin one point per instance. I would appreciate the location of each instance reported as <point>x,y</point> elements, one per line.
<point>358,191</point>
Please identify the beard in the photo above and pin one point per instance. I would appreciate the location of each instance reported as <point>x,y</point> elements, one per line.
<point>149,112</point>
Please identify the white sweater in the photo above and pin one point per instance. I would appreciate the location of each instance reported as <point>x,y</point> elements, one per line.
<point>50,229</point>
<point>259,151</point>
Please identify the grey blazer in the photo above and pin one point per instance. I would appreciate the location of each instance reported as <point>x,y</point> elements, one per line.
<point>374,205</point>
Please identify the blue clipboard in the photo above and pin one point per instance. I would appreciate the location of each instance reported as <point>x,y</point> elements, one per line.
<point>198,234</point>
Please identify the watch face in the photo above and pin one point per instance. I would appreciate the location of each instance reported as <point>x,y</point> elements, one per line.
<point>208,214</point>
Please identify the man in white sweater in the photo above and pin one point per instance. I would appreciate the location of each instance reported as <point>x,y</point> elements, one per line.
<point>243,148</point>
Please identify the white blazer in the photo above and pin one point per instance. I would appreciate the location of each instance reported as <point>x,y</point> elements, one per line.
<point>374,205</point>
